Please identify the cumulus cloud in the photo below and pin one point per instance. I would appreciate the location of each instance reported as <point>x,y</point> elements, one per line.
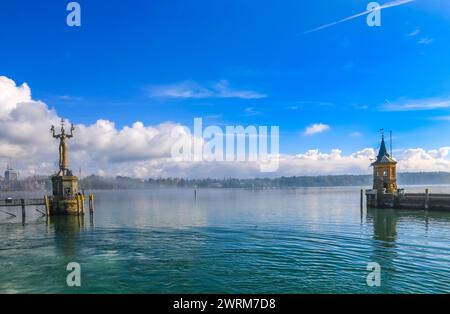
<point>417,159</point>
<point>25,137</point>
<point>316,128</point>
<point>144,151</point>
<point>11,95</point>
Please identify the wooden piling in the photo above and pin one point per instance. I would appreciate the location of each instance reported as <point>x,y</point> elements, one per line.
<point>427,199</point>
<point>362,205</point>
<point>77,198</point>
<point>82,203</point>
<point>22,203</point>
<point>362,199</point>
<point>47,205</point>
<point>91,204</point>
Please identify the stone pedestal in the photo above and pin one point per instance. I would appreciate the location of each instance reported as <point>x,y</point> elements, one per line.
<point>65,199</point>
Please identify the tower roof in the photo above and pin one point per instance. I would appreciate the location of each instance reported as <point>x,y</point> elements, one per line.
<point>383,155</point>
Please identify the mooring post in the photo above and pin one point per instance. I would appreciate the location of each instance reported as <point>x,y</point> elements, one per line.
<point>91,204</point>
<point>82,203</point>
<point>362,199</point>
<point>47,205</point>
<point>427,199</point>
<point>22,202</point>
<point>362,204</point>
<point>77,197</point>
<point>376,200</point>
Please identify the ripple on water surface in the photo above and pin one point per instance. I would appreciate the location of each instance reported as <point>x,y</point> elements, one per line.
<point>282,241</point>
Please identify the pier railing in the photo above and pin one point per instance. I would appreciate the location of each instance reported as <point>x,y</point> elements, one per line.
<point>22,202</point>
<point>423,194</point>
<point>402,200</point>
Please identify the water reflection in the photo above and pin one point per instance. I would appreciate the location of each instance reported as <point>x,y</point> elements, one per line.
<point>384,252</point>
<point>384,225</point>
<point>67,231</point>
<point>395,236</point>
<point>386,221</point>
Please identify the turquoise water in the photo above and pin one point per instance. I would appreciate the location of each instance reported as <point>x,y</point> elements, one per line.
<point>227,241</point>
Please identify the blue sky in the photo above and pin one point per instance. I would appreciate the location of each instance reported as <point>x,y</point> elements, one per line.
<point>240,62</point>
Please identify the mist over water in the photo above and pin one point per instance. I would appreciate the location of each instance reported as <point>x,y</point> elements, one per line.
<point>312,240</point>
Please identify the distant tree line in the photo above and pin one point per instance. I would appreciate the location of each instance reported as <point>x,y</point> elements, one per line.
<point>94,182</point>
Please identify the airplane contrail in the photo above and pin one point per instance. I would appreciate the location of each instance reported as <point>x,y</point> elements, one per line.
<point>384,6</point>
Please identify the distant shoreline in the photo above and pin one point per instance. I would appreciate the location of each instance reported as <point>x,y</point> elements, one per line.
<point>93,182</point>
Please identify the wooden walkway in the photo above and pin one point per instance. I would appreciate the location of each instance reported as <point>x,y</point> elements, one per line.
<point>23,203</point>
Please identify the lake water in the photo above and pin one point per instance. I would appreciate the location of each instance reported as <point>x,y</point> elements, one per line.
<point>313,240</point>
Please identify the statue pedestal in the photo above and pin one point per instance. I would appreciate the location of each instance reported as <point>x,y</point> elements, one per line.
<point>66,200</point>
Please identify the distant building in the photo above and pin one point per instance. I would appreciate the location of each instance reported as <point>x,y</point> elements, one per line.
<point>384,171</point>
<point>10,174</point>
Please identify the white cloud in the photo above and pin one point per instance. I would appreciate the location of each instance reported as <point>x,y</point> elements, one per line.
<point>422,40</point>
<point>316,128</point>
<point>189,89</point>
<point>417,159</point>
<point>414,33</point>
<point>11,95</point>
<point>25,137</point>
<point>250,111</point>
<point>144,151</point>
<point>417,104</point>
<point>426,41</point>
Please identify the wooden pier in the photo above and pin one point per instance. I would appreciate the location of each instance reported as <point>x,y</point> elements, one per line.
<point>22,203</point>
<point>402,200</point>
<point>45,202</point>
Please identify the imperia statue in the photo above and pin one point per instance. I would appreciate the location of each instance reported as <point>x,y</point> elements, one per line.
<point>63,148</point>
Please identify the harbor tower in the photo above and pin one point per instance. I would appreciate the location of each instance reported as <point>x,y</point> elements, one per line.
<point>386,194</point>
<point>384,170</point>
